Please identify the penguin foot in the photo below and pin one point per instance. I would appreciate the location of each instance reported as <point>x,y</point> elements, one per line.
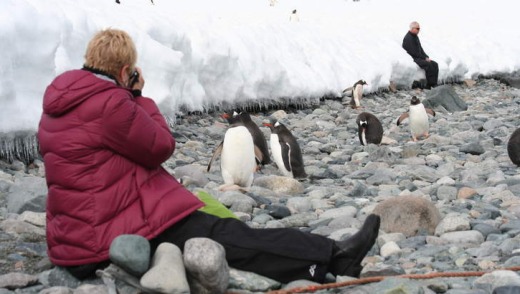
<point>232,187</point>
<point>346,261</point>
<point>229,187</point>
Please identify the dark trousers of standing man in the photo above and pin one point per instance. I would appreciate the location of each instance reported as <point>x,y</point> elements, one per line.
<point>281,254</point>
<point>431,69</point>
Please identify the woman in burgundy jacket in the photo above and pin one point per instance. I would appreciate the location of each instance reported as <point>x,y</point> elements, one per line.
<point>103,143</point>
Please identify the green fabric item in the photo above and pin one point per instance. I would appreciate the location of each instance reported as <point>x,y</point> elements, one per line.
<point>213,206</point>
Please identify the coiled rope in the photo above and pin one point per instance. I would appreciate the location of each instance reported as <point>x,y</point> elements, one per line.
<point>314,288</point>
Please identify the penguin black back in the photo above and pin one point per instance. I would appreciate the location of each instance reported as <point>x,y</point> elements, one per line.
<point>290,150</point>
<point>258,137</point>
<point>513,147</point>
<point>370,129</point>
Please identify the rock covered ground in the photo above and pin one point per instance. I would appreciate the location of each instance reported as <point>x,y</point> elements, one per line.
<point>462,170</point>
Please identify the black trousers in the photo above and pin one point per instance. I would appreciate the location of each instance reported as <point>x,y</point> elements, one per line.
<point>431,70</point>
<point>281,254</point>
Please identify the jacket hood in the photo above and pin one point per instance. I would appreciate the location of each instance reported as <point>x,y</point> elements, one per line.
<point>72,88</point>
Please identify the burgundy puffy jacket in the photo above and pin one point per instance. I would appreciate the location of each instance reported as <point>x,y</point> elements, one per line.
<point>103,151</point>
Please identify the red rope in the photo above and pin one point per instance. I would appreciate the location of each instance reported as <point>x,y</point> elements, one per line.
<point>368,280</point>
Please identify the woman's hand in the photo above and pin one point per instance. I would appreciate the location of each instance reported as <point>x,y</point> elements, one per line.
<point>139,85</point>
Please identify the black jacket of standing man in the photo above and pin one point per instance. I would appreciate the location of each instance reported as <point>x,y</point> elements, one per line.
<point>412,45</point>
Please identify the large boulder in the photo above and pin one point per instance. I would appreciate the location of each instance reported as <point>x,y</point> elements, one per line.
<point>446,97</point>
<point>410,215</point>
<point>27,193</point>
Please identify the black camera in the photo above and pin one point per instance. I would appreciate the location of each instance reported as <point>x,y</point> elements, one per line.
<point>134,77</point>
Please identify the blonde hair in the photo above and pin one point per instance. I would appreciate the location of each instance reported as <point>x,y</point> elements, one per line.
<point>109,50</point>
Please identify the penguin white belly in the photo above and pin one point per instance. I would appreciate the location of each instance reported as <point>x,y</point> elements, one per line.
<point>358,93</point>
<point>238,157</point>
<point>363,137</point>
<point>276,151</point>
<point>418,120</point>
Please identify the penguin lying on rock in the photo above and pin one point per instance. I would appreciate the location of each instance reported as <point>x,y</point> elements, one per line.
<point>418,116</point>
<point>286,151</point>
<point>370,129</point>
<point>238,152</point>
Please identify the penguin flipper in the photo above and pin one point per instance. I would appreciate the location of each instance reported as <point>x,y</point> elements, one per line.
<point>286,155</point>
<point>430,111</point>
<point>216,153</point>
<point>402,118</point>
<point>360,135</point>
<point>352,103</point>
<point>259,155</point>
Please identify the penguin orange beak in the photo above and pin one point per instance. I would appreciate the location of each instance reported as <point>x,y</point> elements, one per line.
<point>225,116</point>
<point>267,124</point>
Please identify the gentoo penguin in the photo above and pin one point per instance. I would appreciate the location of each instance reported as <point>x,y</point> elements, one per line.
<point>357,93</point>
<point>285,150</point>
<point>237,150</point>
<point>370,129</point>
<point>258,137</point>
<point>513,147</point>
<point>418,116</point>
<point>294,16</point>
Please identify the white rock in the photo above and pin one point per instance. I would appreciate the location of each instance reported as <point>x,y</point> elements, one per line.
<point>166,273</point>
<point>391,237</point>
<point>341,211</point>
<point>389,248</point>
<point>446,181</point>
<point>35,218</point>
<point>451,223</point>
<point>473,237</point>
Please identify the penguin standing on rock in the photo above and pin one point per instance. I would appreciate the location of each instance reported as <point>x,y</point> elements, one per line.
<point>258,137</point>
<point>418,116</point>
<point>238,152</point>
<point>370,129</point>
<point>357,94</point>
<point>286,151</point>
<point>513,147</point>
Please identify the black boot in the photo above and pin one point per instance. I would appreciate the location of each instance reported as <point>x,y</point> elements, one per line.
<point>348,254</point>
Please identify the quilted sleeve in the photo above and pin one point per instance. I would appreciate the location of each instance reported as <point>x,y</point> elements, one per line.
<point>135,129</point>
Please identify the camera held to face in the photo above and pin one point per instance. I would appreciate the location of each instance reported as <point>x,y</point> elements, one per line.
<point>134,77</point>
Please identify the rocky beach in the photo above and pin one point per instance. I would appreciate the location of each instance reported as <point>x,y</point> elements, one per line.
<point>449,203</point>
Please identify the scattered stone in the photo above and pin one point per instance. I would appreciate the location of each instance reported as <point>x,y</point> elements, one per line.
<point>445,96</point>
<point>466,193</point>
<point>131,253</point>
<point>251,282</point>
<point>206,264</point>
<point>463,237</point>
<point>469,83</point>
<point>279,184</point>
<point>451,223</point>
<point>496,279</point>
<point>463,169</point>
<point>14,281</point>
